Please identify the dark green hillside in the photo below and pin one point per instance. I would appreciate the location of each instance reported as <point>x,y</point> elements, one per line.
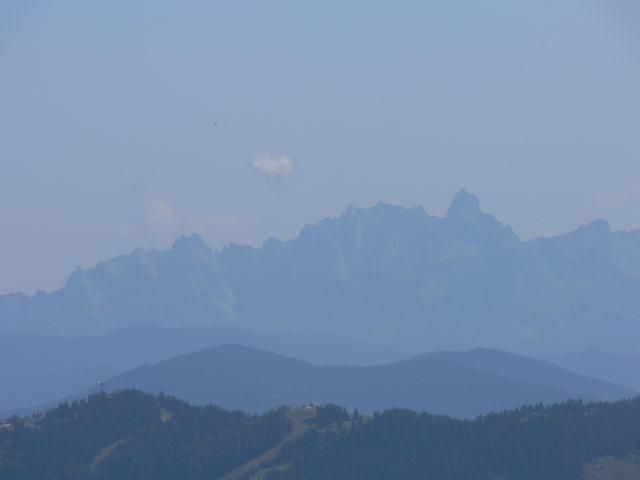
<point>534,443</point>
<point>133,435</point>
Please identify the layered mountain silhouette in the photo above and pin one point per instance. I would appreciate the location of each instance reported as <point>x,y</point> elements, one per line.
<point>460,384</point>
<point>620,369</point>
<point>385,275</point>
<point>38,369</point>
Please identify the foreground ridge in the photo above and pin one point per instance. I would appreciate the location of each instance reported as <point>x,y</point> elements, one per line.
<point>133,435</point>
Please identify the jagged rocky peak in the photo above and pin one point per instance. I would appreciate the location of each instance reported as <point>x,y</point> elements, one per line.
<point>192,246</point>
<point>273,244</point>
<point>193,240</point>
<point>465,204</point>
<point>473,225</point>
<point>75,279</point>
<point>598,226</point>
<point>596,233</point>
<point>592,233</point>
<point>384,213</point>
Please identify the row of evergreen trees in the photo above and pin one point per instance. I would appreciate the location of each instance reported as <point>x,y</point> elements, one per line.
<point>133,435</point>
<point>145,437</point>
<point>532,442</point>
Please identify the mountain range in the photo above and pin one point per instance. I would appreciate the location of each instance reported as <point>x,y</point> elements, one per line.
<point>386,275</point>
<point>459,384</point>
<point>37,369</point>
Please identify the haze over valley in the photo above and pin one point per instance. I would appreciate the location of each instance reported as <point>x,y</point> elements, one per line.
<point>320,240</point>
<point>386,275</point>
<point>372,287</point>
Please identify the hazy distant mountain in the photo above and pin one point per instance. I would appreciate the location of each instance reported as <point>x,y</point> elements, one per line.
<point>620,369</point>
<point>385,275</point>
<point>451,383</point>
<point>38,369</point>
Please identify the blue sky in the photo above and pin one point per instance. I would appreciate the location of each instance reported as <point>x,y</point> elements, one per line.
<point>126,124</point>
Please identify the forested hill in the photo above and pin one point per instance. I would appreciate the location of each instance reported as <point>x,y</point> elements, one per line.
<point>137,436</point>
<point>133,435</point>
<point>568,441</point>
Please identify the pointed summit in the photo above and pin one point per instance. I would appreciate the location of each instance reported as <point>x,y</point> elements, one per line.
<point>594,233</point>
<point>194,240</point>
<point>192,246</point>
<point>598,225</point>
<point>464,203</point>
<point>473,226</point>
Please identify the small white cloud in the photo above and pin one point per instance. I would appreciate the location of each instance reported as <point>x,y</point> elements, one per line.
<point>155,216</point>
<point>271,167</point>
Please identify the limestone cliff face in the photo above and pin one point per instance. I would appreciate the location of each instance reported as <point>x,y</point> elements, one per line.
<point>386,274</point>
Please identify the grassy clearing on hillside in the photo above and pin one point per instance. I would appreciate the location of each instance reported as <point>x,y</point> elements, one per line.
<point>164,415</point>
<point>298,417</point>
<point>611,468</point>
<point>106,451</point>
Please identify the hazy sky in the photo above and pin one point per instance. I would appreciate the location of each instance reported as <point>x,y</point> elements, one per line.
<point>108,138</point>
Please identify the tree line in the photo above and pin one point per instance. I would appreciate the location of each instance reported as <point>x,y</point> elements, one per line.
<point>140,436</point>
<point>531,442</point>
<point>131,435</point>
